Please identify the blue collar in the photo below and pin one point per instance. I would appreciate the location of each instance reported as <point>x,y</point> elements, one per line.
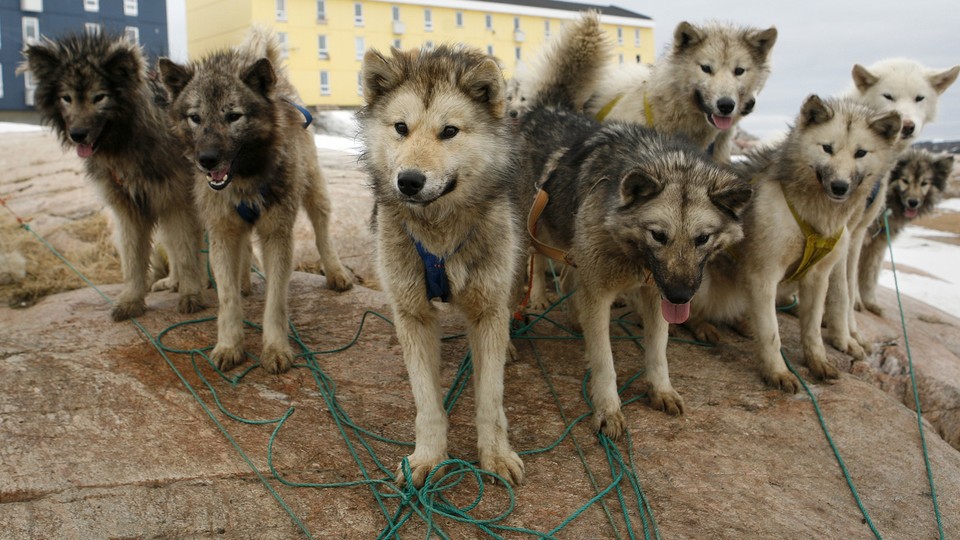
<point>251,212</point>
<point>873,194</point>
<point>306,114</point>
<point>435,271</point>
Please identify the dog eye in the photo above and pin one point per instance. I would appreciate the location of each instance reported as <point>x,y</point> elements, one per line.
<point>827,148</point>
<point>233,117</point>
<point>659,236</point>
<point>449,132</point>
<point>66,99</point>
<point>99,97</point>
<point>706,69</point>
<point>888,97</point>
<point>924,183</point>
<point>702,239</point>
<point>194,118</point>
<point>919,99</point>
<point>859,153</point>
<point>401,128</point>
<point>739,71</point>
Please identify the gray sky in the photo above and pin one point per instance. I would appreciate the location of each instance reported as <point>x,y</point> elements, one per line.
<point>818,43</point>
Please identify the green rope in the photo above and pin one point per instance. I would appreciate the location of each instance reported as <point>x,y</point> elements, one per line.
<point>913,380</point>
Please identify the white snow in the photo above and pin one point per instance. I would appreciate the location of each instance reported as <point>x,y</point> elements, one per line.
<point>10,127</point>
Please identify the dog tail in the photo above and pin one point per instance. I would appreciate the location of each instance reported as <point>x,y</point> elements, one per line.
<point>568,70</point>
<point>262,42</point>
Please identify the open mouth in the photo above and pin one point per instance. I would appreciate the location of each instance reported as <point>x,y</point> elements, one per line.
<point>720,122</point>
<point>219,178</point>
<point>911,213</point>
<point>85,150</point>
<point>674,313</point>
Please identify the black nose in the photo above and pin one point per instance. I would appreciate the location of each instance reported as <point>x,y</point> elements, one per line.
<point>908,128</point>
<point>410,182</point>
<point>679,295</point>
<point>839,188</point>
<point>78,135</point>
<point>208,159</point>
<point>913,203</point>
<point>514,113</point>
<point>726,105</point>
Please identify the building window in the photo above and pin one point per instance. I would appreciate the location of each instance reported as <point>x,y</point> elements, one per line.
<point>458,16</point>
<point>91,5</point>
<point>359,84</point>
<point>322,50</point>
<point>31,30</point>
<point>361,48</point>
<point>546,29</point>
<point>428,20</point>
<point>396,44</point>
<point>131,8</point>
<point>489,50</point>
<point>396,13</point>
<point>428,46</point>
<point>281,10</point>
<point>132,33</point>
<point>619,35</point>
<point>92,28</point>
<point>321,10</point>
<point>284,43</point>
<point>516,23</point>
<point>357,14</point>
<point>31,5</point>
<point>30,88</point>
<point>636,37</point>
<point>488,21</point>
<point>324,83</point>
<point>517,49</point>
<point>621,58</point>
<point>1,80</point>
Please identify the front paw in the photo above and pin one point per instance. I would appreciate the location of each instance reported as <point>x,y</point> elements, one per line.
<point>611,423</point>
<point>874,308</point>
<point>507,465</point>
<point>339,280</point>
<point>165,284</point>
<point>226,357</point>
<point>822,369</point>
<point>707,333</point>
<point>668,401</point>
<point>128,310</point>
<point>784,380</point>
<point>419,469</point>
<point>191,303</point>
<point>276,359</point>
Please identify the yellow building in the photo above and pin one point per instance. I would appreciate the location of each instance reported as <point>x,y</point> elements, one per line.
<point>325,39</point>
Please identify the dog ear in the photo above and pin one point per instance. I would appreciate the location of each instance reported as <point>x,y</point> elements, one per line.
<point>887,125</point>
<point>814,111</point>
<point>685,36</point>
<point>942,80</point>
<point>379,75</point>
<point>862,78</point>
<point>41,60</point>
<point>484,84</point>
<point>174,76</point>
<point>123,63</point>
<point>260,76</point>
<point>942,169</point>
<point>731,195</point>
<point>636,184</point>
<point>762,41</point>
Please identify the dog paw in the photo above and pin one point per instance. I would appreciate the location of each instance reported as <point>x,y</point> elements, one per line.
<point>339,280</point>
<point>668,401</point>
<point>165,284</point>
<point>227,357</point>
<point>190,303</point>
<point>874,308</point>
<point>512,353</point>
<point>276,359</point>
<point>612,424</point>
<point>707,333</point>
<point>419,469</point>
<point>539,302</point>
<point>784,380</point>
<point>507,465</point>
<point>858,306</point>
<point>128,310</point>
<point>821,369</point>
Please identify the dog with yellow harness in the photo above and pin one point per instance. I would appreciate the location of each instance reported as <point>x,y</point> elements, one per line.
<point>807,189</point>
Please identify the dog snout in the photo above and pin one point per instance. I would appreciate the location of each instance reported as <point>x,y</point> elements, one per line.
<point>410,182</point>
<point>913,203</point>
<point>514,113</point>
<point>78,135</point>
<point>908,128</point>
<point>208,159</point>
<point>726,105</point>
<point>679,294</point>
<point>839,188</point>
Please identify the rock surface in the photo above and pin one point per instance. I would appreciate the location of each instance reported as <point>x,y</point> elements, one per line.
<point>101,437</point>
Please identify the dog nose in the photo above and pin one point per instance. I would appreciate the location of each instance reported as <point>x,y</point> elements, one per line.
<point>908,128</point>
<point>514,113</point>
<point>208,159</point>
<point>679,295</point>
<point>78,135</point>
<point>913,203</point>
<point>411,182</point>
<point>839,188</point>
<point>726,105</point>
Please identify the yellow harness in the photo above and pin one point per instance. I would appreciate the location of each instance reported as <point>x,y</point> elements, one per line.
<point>816,247</point>
<point>605,111</point>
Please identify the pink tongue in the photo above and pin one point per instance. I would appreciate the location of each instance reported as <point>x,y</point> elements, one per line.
<point>218,175</point>
<point>675,313</point>
<point>722,122</point>
<point>84,150</point>
<point>910,213</point>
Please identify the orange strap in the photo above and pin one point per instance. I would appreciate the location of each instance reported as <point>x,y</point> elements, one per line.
<point>539,203</point>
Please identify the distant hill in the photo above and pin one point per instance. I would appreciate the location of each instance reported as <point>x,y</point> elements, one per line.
<point>950,147</point>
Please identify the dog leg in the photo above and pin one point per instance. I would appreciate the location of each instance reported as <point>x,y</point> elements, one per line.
<point>762,296</point>
<point>488,334</point>
<point>317,204</point>
<point>419,336</point>
<point>655,337</point>
<point>246,265</point>
<point>277,245</point>
<point>594,310</point>
<point>226,243</point>
<point>837,311</point>
<point>871,260</point>
<point>135,239</point>
<point>181,234</point>
<point>813,294</point>
<point>539,300</point>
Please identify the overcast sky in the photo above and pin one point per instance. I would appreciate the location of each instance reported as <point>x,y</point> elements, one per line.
<point>819,42</point>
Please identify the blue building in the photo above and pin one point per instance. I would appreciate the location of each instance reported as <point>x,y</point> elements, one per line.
<point>23,21</point>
